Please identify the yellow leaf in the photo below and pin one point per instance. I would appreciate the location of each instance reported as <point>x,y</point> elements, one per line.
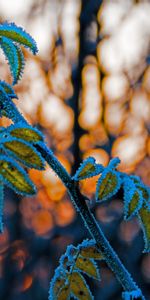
<point>145,219</point>
<point>25,152</point>
<point>16,177</point>
<point>59,284</point>
<point>91,252</point>
<point>79,288</point>
<point>108,185</point>
<point>135,204</point>
<point>64,293</point>
<point>87,266</point>
<point>27,134</point>
<point>88,169</point>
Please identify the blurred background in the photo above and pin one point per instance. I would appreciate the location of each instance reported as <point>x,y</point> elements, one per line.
<point>88,90</point>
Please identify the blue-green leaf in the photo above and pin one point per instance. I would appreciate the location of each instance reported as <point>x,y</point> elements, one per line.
<point>15,58</point>
<point>145,190</point>
<point>8,108</point>
<point>24,152</point>
<point>15,177</point>
<point>21,63</point>
<point>114,162</point>
<point>144,217</point>
<point>10,52</point>
<point>8,89</point>
<point>88,169</point>
<point>108,185</point>
<point>18,35</point>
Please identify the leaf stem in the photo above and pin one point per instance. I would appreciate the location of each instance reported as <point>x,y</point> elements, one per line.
<point>90,222</point>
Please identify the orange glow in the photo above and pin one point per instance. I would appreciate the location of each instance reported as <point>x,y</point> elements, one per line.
<point>64,213</point>
<point>130,149</point>
<point>86,142</point>
<point>143,170</point>
<point>63,142</point>
<point>90,115</point>
<point>54,187</point>
<point>44,200</point>
<point>114,117</point>
<point>96,137</point>
<point>5,122</point>
<point>148,146</point>
<point>100,155</point>
<point>55,114</point>
<point>35,176</point>
<point>42,222</point>
<point>25,283</point>
<point>88,186</point>
<point>60,79</point>
<point>19,254</point>
<point>146,80</point>
<point>140,105</point>
<point>90,75</point>
<point>133,125</point>
<point>115,87</point>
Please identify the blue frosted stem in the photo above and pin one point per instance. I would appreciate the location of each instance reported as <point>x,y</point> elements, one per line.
<point>90,222</point>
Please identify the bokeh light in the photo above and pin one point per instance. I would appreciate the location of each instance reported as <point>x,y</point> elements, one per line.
<point>88,91</point>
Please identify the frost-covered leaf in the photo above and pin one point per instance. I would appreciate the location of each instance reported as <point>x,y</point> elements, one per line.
<point>88,169</point>
<point>25,132</point>
<point>8,89</point>
<point>10,53</point>
<point>15,177</point>
<point>58,282</point>
<point>24,152</point>
<point>88,249</point>
<point>67,276</point>
<point>8,108</point>
<point>133,202</point>
<point>87,266</point>
<point>132,295</point>
<point>145,194</point>
<point>64,292</point>
<point>114,162</point>
<point>145,190</point>
<point>133,197</point>
<point>1,205</point>
<point>18,35</point>
<point>14,56</point>
<point>79,288</point>
<point>21,63</point>
<point>144,216</point>
<point>74,284</point>
<point>108,185</point>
